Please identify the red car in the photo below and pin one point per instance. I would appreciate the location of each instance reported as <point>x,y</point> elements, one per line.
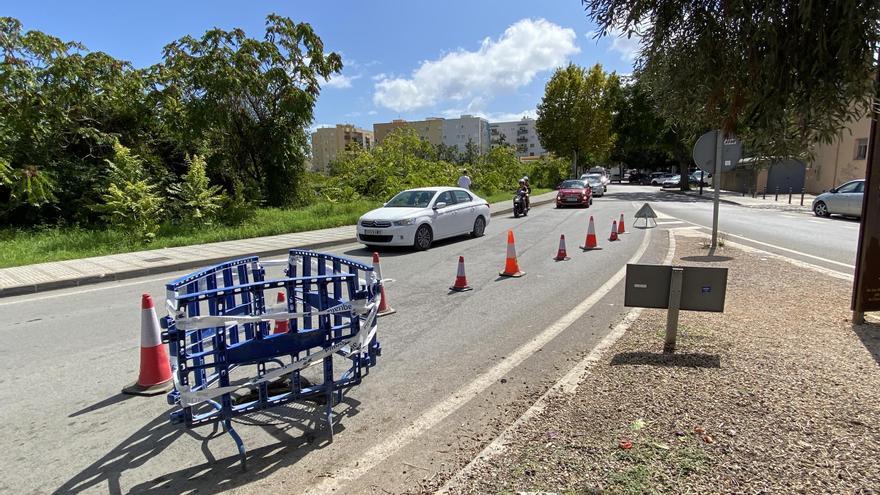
<point>574,193</point>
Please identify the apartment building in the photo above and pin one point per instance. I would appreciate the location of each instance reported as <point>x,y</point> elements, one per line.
<point>435,130</point>
<point>328,142</point>
<point>521,134</point>
<point>845,159</point>
<point>467,129</point>
<point>430,129</point>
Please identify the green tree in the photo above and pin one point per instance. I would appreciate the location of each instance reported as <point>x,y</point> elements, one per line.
<point>644,139</point>
<point>574,116</point>
<point>196,201</point>
<point>248,101</point>
<point>782,74</point>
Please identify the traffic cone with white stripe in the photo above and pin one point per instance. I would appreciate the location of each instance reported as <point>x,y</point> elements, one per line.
<point>511,267</point>
<point>281,326</point>
<point>591,242</point>
<point>461,284</point>
<point>561,255</point>
<point>384,308</point>
<point>613,231</point>
<point>620,228</point>
<point>155,369</point>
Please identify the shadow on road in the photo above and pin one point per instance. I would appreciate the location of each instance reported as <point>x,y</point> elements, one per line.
<point>394,251</point>
<point>102,404</point>
<point>686,360</point>
<point>869,334</point>
<point>660,196</point>
<point>707,259</point>
<point>298,427</point>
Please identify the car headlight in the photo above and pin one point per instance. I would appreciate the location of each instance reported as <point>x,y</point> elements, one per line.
<point>406,221</point>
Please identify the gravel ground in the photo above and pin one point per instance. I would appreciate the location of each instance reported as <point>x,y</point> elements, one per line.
<point>779,394</point>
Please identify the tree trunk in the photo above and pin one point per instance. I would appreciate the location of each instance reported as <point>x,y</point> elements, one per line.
<point>683,171</point>
<point>574,165</point>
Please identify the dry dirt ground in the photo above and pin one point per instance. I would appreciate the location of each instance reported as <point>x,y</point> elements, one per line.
<point>779,394</point>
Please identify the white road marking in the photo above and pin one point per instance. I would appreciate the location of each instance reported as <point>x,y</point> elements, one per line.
<point>441,410</point>
<point>799,253</point>
<point>568,384</point>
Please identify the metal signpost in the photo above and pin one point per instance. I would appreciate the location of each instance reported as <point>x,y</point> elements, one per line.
<point>689,288</point>
<point>715,153</point>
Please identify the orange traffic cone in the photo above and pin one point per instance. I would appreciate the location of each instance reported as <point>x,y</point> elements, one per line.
<point>561,255</point>
<point>511,268</point>
<point>461,284</point>
<point>155,370</point>
<point>613,231</point>
<point>620,228</point>
<point>591,242</point>
<point>281,326</point>
<point>384,307</point>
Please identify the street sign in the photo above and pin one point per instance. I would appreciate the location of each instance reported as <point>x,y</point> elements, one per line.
<point>702,288</point>
<point>704,152</point>
<point>691,288</point>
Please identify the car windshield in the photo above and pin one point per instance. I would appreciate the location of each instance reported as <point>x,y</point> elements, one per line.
<point>572,184</point>
<point>411,199</point>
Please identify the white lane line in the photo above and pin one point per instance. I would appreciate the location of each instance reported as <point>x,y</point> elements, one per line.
<point>773,246</point>
<point>441,410</point>
<point>568,384</point>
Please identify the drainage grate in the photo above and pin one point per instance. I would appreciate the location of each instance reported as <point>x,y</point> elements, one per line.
<point>158,258</point>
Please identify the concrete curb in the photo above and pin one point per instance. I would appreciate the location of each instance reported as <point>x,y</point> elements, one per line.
<point>183,265</point>
<point>704,198</point>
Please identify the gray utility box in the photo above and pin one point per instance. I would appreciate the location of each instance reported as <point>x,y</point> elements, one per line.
<point>702,288</point>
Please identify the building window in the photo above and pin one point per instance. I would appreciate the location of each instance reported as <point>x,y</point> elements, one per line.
<point>861,149</point>
<point>532,145</point>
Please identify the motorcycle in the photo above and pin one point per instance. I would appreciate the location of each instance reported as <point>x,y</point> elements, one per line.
<point>519,205</point>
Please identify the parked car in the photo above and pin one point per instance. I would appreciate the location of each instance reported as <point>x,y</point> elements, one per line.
<point>635,178</point>
<point>574,193</point>
<point>603,173</point>
<point>595,182</point>
<point>657,178</point>
<point>418,217</point>
<point>674,181</point>
<point>844,200</point>
<point>615,177</point>
<point>699,177</point>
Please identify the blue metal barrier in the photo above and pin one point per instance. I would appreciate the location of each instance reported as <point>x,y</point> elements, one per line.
<point>218,330</point>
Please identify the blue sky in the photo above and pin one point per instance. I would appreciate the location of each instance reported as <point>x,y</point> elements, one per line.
<point>402,59</point>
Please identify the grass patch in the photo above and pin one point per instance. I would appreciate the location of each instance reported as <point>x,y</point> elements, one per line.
<point>19,247</point>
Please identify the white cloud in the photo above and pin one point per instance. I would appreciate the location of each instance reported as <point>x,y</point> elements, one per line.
<point>628,48</point>
<point>512,61</point>
<point>341,81</point>
<point>372,112</point>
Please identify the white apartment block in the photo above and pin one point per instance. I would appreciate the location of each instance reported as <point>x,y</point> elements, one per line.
<point>467,128</point>
<point>522,135</point>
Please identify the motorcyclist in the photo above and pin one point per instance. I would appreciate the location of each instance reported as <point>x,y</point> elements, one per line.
<point>525,190</point>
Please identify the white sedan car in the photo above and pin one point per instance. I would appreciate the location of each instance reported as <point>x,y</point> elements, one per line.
<point>418,217</point>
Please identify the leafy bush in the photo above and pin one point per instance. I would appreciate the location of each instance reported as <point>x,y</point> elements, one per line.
<point>195,200</point>
<point>548,171</point>
<point>237,208</point>
<point>497,170</point>
<point>131,201</point>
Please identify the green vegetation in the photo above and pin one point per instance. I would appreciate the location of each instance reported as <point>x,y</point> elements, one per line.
<point>574,116</point>
<point>20,247</point>
<point>70,118</point>
<point>782,74</point>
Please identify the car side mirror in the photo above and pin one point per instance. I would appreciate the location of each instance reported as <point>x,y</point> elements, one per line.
<point>833,190</point>
<point>385,204</point>
<point>439,205</point>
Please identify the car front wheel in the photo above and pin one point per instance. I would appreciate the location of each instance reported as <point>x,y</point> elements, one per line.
<point>424,237</point>
<point>479,227</point>
<point>821,209</point>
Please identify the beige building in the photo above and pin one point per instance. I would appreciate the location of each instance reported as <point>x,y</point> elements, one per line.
<point>329,142</point>
<point>431,129</point>
<point>843,160</point>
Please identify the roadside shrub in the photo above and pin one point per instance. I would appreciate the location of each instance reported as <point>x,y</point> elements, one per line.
<point>195,201</point>
<point>237,208</point>
<point>130,201</point>
<point>548,172</point>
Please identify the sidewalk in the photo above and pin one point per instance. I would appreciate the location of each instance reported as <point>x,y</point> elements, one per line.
<point>777,394</point>
<point>770,202</point>
<point>72,273</point>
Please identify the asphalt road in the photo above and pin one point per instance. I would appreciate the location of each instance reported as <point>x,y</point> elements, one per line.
<point>69,353</point>
<point>827,242</point>
<point>455,370</point>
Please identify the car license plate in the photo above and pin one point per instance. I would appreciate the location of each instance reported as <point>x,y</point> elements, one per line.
<point>372,232</point>
<point>571,199</point>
